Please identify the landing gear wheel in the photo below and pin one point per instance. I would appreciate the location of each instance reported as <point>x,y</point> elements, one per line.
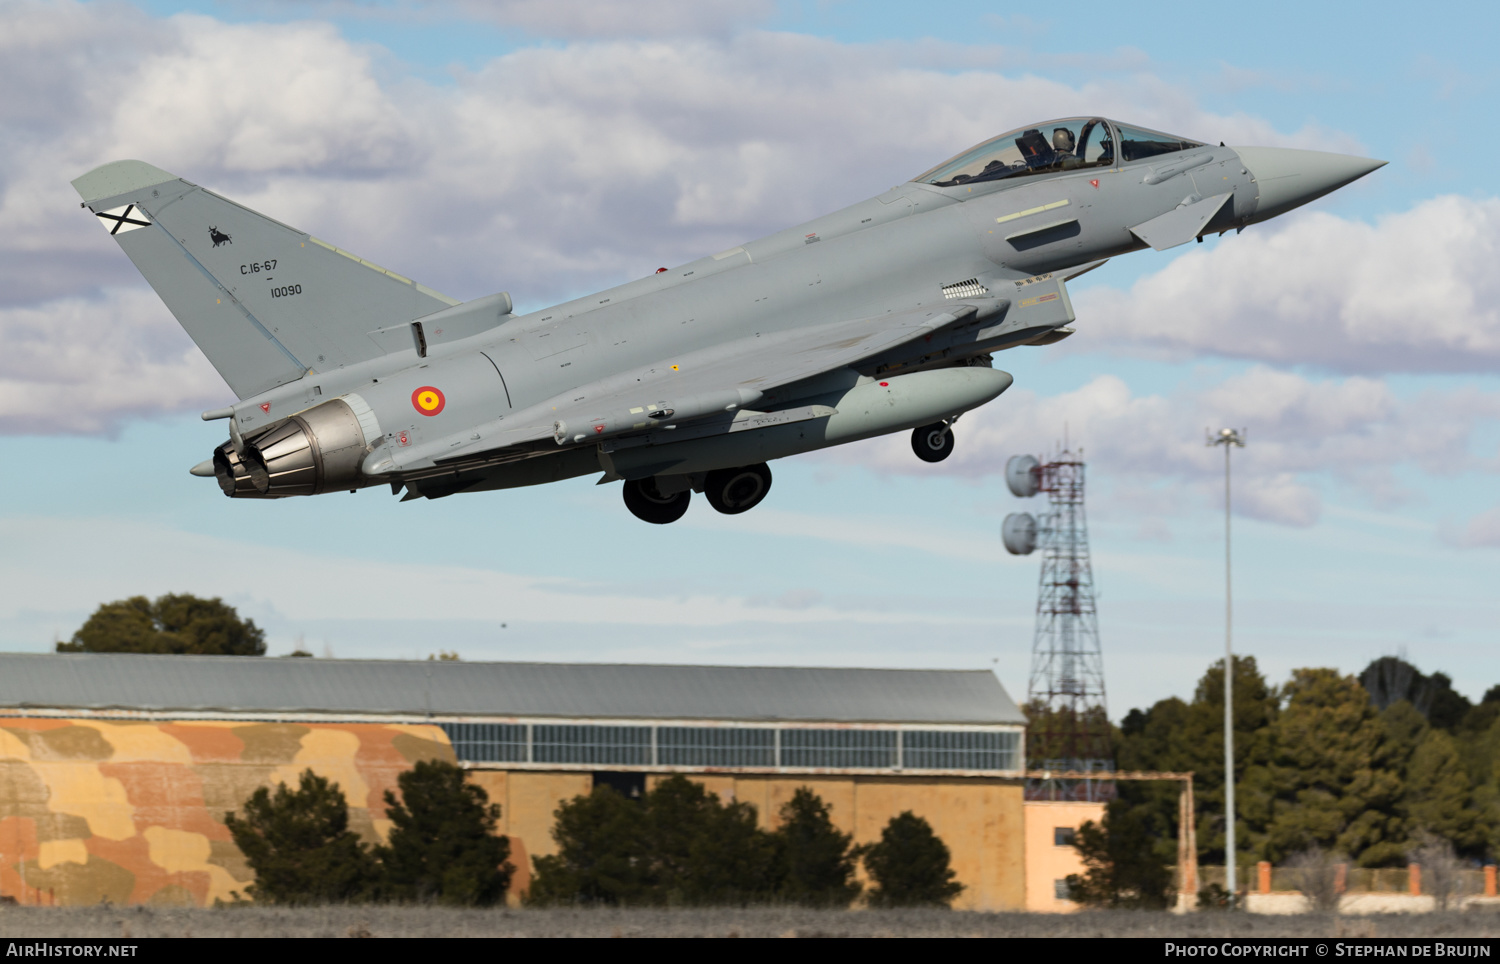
<point>732,491</point>
<point>647,504</point>
<point>932,443</point>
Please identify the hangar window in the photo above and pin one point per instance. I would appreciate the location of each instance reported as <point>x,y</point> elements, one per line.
<point>1061,890</point>
<point>487,742</point>
<point>561,743</point>
<point>1073,143</point>
<point>1063,836</point>
<point>838,749</point>
<point>960,750</point>
<point>715,746</point>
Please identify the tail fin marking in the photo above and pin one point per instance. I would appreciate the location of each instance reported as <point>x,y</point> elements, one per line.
<point>264,301</point>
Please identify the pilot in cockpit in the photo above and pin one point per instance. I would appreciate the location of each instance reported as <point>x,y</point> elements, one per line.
<point>1065,145</point>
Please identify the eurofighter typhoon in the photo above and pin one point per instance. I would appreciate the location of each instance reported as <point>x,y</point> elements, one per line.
<point>883,317</point>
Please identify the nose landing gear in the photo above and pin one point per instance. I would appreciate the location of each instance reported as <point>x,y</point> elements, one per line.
<point>934,442</point>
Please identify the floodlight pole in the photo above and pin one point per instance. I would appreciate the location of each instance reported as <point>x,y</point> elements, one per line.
<point>1229,438</point>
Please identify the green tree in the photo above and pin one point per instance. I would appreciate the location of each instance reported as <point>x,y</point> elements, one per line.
<point>300,846</point>
<point>601,850</point>
<point>1438,799</point>
<point>702,851</point>
<point>910,865</point>
<point>1389,680</point>
<point>1122,861</point>
<point>818,860</point>
<point>1179,736</point>
<point>1329,783</point>
<point>678,845</point>
<point>443,847</point>
<point>174,623</point>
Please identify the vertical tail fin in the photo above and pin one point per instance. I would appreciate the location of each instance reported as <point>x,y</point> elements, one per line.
<point>265,302</point>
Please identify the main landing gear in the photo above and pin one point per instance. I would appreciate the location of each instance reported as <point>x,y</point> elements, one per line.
<point>732,491</point>
<point>644,499</point>
<point>934,442</point>
<point>660,500</point>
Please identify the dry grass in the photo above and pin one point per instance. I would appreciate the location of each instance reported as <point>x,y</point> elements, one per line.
<point>114,922</point>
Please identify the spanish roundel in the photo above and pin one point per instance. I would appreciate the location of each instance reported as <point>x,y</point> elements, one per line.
<point>428,400</point>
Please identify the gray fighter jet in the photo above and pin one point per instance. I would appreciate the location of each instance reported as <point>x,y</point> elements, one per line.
<point>882,317</point>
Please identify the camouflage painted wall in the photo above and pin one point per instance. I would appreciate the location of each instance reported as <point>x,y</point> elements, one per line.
<point>133,812</point>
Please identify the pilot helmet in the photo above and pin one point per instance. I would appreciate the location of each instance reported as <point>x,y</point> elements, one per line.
<point>1063,140</point>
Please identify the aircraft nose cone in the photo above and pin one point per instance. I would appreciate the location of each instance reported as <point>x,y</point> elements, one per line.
<point>1289,178</point>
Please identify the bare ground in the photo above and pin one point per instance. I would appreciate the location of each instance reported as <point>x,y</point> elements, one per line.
<point>385,921</point>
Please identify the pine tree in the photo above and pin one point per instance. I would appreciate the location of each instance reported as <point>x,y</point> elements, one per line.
<point>910,865</point>
<point>300,846</point>
<point>1123,863</point>
<point>818,860</point>
<point>1438,799</point>
<point>1330,784</point>
<point>601,850</point>
<point>443,847</point>
<point>679,845</point>
<point>702,851</point>
<point>1177,736</point>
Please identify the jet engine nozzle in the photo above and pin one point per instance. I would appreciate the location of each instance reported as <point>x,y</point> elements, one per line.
<point>315,451</point>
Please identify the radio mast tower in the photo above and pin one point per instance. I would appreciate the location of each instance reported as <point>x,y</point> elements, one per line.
<point>1065,697</point>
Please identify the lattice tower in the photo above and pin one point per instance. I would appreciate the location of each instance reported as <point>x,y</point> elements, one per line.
<point>1070,728</point>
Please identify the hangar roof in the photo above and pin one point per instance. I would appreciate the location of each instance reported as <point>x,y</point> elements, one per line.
<point>261,685</point>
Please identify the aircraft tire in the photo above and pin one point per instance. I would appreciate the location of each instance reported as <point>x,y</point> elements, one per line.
<point>648,505</point>
<point>732,491</point>
<point>932,443</point>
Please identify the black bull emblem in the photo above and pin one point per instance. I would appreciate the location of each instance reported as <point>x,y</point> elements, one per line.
<point>218,237</point>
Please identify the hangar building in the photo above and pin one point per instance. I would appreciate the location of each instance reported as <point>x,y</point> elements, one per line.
<point>116,771</point>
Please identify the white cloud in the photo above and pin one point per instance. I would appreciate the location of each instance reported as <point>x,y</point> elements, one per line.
<point>1479,531</point>
<point>548,171</point>
<point>1152,446</point>
<point>1414,292</point>
<point>606,18</point>
<point>81,364</point>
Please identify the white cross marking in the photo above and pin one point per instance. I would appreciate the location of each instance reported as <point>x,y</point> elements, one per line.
<point>122,219</point>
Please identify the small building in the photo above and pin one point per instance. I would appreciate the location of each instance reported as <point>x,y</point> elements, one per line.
<point>116,771</point>
<point>1051,826</point>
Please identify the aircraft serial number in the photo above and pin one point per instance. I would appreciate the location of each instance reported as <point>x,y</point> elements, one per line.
<point>267,265</point>
<point>286,292</point>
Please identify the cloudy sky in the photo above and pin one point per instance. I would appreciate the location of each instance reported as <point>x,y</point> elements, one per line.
<point>551,149</point>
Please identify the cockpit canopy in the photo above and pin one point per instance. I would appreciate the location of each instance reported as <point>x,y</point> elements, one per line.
<point>1072,143</point>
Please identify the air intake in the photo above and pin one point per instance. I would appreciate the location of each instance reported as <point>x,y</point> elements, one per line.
<point>965,289</point>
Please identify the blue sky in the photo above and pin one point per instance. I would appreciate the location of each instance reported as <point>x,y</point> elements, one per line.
<point>551,149</point>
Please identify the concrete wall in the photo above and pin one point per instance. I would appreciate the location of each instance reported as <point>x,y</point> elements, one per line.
<point>1046,862</point>
<point>979,819</point>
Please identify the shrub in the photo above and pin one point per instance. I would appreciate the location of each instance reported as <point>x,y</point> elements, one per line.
<point>817,860</point>
<point>910,865</point>
<point>443,846</point>
<point>1123,867</point>
<point>1315,872</point>
<point>300,846</point>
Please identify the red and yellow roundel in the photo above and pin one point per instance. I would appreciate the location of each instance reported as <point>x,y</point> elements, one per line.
<point>428,400</point>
